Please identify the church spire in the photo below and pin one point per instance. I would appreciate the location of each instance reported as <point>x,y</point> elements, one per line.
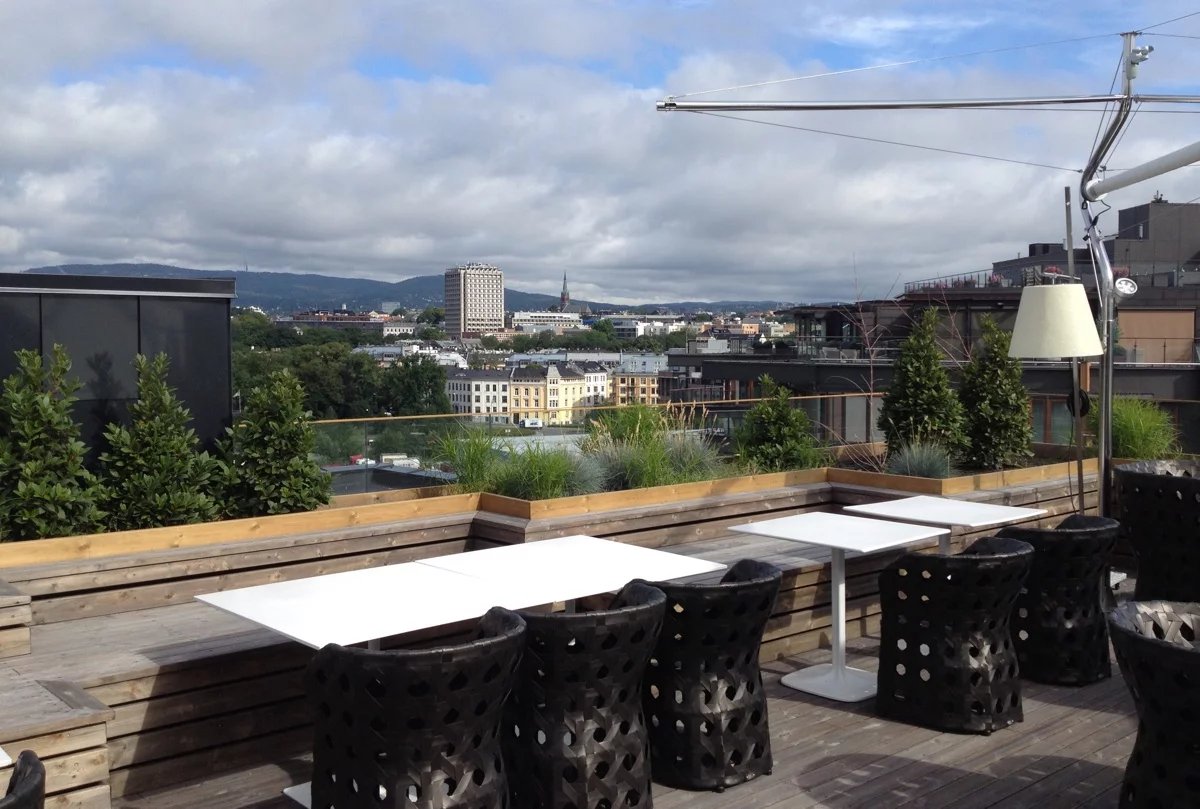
<point>564,300</point>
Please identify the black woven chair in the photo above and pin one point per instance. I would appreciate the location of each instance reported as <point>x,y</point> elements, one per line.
<point>1058,623</point>
<point>1158,505</point>
<point>1158,649</point>
<point>702,692</point>
<point>946,659</point>
<point>575,737</point>
<point>27,784</point>
<point>417,729</point>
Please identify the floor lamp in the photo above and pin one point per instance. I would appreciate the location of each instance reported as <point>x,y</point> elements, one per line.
<point>1055,321</point>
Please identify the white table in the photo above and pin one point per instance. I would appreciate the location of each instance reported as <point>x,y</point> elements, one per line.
<point>840,533</point>
<point>359,606</point>
<point>567,568</point>
<point>366,605</point>
<point>945,512</point>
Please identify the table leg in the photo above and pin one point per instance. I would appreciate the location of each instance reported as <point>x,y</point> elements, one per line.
<point>835,681</point>
<point>944,544</point>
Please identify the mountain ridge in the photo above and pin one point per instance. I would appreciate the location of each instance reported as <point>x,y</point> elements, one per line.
<point>284,292</point>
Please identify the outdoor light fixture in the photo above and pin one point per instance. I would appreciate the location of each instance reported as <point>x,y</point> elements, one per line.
<point>1054,321</point>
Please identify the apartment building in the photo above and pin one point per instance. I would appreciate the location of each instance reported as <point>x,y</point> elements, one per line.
<point>595,380</point>
<point>556,394</point>
<point>633,387</point>
<point>537,321</point>
<point>474,299</point>
<point>482,393</point>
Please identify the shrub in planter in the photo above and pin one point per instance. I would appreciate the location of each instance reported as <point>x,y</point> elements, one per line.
<point>1141,430</point>
<point>267,463</point>
<point>776,436</point>
<point>995,404</point>
<point>636,423</point>
<point>45,490</point>
<point>921,459</point>
<point>473,456</point>
<point>919,404</point>
<point>537,472</point>
<point>152,474</point>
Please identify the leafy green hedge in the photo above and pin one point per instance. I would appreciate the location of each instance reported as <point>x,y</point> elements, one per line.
<point>151,472</point>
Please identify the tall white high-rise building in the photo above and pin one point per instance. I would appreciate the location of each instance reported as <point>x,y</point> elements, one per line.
<point>474,297</point>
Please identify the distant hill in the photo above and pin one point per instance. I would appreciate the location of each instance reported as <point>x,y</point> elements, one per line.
<point>284,292</point>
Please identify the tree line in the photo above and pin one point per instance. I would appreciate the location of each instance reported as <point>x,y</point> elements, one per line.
<point>339,382</point>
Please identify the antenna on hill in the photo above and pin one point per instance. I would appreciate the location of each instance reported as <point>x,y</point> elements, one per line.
<point>1092,189</point>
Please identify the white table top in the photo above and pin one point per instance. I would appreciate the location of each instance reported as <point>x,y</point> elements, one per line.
<point>943,511</point>
<point>568,567</point>
<point>359,605</point>
<point>362,605</point>
<point>858,534</point>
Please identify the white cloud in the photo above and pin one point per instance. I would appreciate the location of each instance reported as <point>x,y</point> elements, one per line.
<point>272,150</point>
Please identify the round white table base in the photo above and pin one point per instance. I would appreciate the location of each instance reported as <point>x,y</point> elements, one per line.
<point>843,684</point>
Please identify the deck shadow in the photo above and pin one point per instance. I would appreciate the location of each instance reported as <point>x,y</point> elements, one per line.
<point>860,781</point>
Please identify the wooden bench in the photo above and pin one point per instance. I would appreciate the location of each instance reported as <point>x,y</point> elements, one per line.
<point>186,690</point>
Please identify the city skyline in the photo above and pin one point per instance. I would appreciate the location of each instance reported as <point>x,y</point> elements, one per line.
<point>390,143</point>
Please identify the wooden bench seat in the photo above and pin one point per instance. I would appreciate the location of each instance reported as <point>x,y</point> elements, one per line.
<point>66,728</point>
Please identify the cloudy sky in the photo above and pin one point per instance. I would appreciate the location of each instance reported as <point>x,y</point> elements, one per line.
<point>392,138</point>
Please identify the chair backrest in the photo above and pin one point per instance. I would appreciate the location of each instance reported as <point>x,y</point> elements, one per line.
<point>1158,649</point>
<point>562,649</point>
<point>383,716</point>
<point>1077,550</point>
<point>723,621</point>
<point>975,587</point>
<point>1158,504</point>
<point>27,785</point>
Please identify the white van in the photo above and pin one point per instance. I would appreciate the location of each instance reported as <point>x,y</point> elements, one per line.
<point>531,424</point>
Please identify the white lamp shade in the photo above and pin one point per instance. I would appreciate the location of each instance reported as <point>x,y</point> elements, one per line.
<point>1054,320</point>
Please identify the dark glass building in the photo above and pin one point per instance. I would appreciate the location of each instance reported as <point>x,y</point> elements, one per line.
<point>104,321</point>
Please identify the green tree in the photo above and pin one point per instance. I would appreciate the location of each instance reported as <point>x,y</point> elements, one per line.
<point>489,342</point>
<point>267,454</point>
<point>433,315</point>
<point>152,474</point>
<point>415,386</point>
<point>399,311</point>
<point>431,334</point>
<point>605,326</point>
<point>996,404</point>
<point>45,489</point>
<point>919,404</point>
<point>776,436</point>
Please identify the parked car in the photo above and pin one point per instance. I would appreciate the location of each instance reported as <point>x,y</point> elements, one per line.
<point>531,424</point>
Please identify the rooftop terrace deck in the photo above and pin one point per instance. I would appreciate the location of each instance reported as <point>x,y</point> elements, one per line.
<point>1069,752</point>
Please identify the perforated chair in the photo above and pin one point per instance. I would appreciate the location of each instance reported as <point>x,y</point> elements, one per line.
<point>575,736</point>
<point>1158,505</point>
<point>414,729</point>
<point>946,659</point>
<point>1058,623</point>
<point>27,784</point>
<point>702,692</point>
<point>1158,649</point>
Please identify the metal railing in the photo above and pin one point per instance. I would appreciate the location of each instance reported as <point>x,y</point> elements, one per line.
<point>399,452</point>
<point>984,279</point>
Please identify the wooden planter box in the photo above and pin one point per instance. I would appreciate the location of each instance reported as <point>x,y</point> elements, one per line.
<point>384,507</point>
<point>963,484</point>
